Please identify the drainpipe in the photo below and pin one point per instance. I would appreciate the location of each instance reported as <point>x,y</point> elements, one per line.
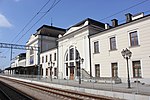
<point>90,57</point>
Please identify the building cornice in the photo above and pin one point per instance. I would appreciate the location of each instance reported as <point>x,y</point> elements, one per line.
<point>121,26</point>
<point>71,34</point>
<point>52,49</point>
<point>78,31</point>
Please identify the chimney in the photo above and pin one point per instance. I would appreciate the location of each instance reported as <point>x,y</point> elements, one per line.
<point>128,17</point>
<point>114,22</point>
<point>107,26</point>
<point>137,16</point>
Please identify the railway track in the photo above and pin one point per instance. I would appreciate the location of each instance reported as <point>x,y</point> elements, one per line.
<point>8,92</point>
<point>64,94</point>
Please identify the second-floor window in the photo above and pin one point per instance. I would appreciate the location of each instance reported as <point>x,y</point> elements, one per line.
<point>31,59</point>
<point>46,58</point>
<point>42,59</point>
<point>50,57</point>
<point>31,52</point>
<point>134,39</point>
<point>96,47</point>
<point>54,56</point>
<point>113,43</point>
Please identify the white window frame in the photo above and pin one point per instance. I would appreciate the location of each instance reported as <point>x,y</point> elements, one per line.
<point>115,39</point>
<point>98,46</point>
<point>129,41</point>
<point>131,69</point>
<point>99,69</point>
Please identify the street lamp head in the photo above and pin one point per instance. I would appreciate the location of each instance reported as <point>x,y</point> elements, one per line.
<point>82,60</point>
<point>126,53</point>
<point>130,54</point>
<point>48,63</point>
<point>123,53</point>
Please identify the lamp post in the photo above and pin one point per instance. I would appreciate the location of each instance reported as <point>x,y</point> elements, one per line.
<point>80,61</point>
<point>127,55</point>
<point>50,69</point>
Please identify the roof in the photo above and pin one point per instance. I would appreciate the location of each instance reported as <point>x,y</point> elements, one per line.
<point>83,24</point>
<point>50,31</point>
<point>121,25</point>
<point>22,54</point>
<point>51,27</point>
<point>91,21</point>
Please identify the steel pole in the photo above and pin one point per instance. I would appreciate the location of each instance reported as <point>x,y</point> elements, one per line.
<point>128,72</point>
<point>51,73</point>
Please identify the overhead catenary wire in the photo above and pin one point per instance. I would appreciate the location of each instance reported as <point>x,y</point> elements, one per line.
<point>100,20</point>
<point>58,2</point>
<point>31,20</point>
<point>53,5</point>
<point>124,10</point>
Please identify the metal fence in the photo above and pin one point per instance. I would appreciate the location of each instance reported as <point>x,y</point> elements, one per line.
<point>137,88</point>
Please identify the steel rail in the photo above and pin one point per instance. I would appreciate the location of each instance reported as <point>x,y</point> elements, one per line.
<point>4,95</point>
<point>65,93</point>
<point>7,88</point>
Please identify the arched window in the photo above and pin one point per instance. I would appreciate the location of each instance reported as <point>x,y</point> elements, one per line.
<point>71,55</point>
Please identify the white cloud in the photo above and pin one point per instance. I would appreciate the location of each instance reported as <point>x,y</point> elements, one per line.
<point>4,22</point>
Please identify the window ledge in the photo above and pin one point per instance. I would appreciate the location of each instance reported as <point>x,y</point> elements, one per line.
<point>134,46</point>
<point>113,50</point>
<point>137,77</point>
<point>96,53</point>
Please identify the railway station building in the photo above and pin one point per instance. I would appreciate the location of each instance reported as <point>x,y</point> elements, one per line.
<point>94,49</point>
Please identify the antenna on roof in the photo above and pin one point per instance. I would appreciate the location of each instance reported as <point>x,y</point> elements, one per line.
<point>51,22</point>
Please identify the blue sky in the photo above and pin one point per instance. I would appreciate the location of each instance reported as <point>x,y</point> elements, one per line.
<point>15,14</point>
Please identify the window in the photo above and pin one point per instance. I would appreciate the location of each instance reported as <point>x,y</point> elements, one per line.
<point>114,68</point>
<point>54,56</point>
<point>46,58</point>
<point>46,71</point>
<point>133,39</point>
<point>71,54</point>
<point>112,43</point>
<point>96,47</point>
<point>97,70</point>
<point>31,59</point>
<point>77,55</point>
<point>67,57</point>
<point>66,69</point>
<point>50,57</point>
<point>136,69</point>
<point>77,69</point>
<point>42,59</point>
<point>55,71</point>
<point>31,52</point>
